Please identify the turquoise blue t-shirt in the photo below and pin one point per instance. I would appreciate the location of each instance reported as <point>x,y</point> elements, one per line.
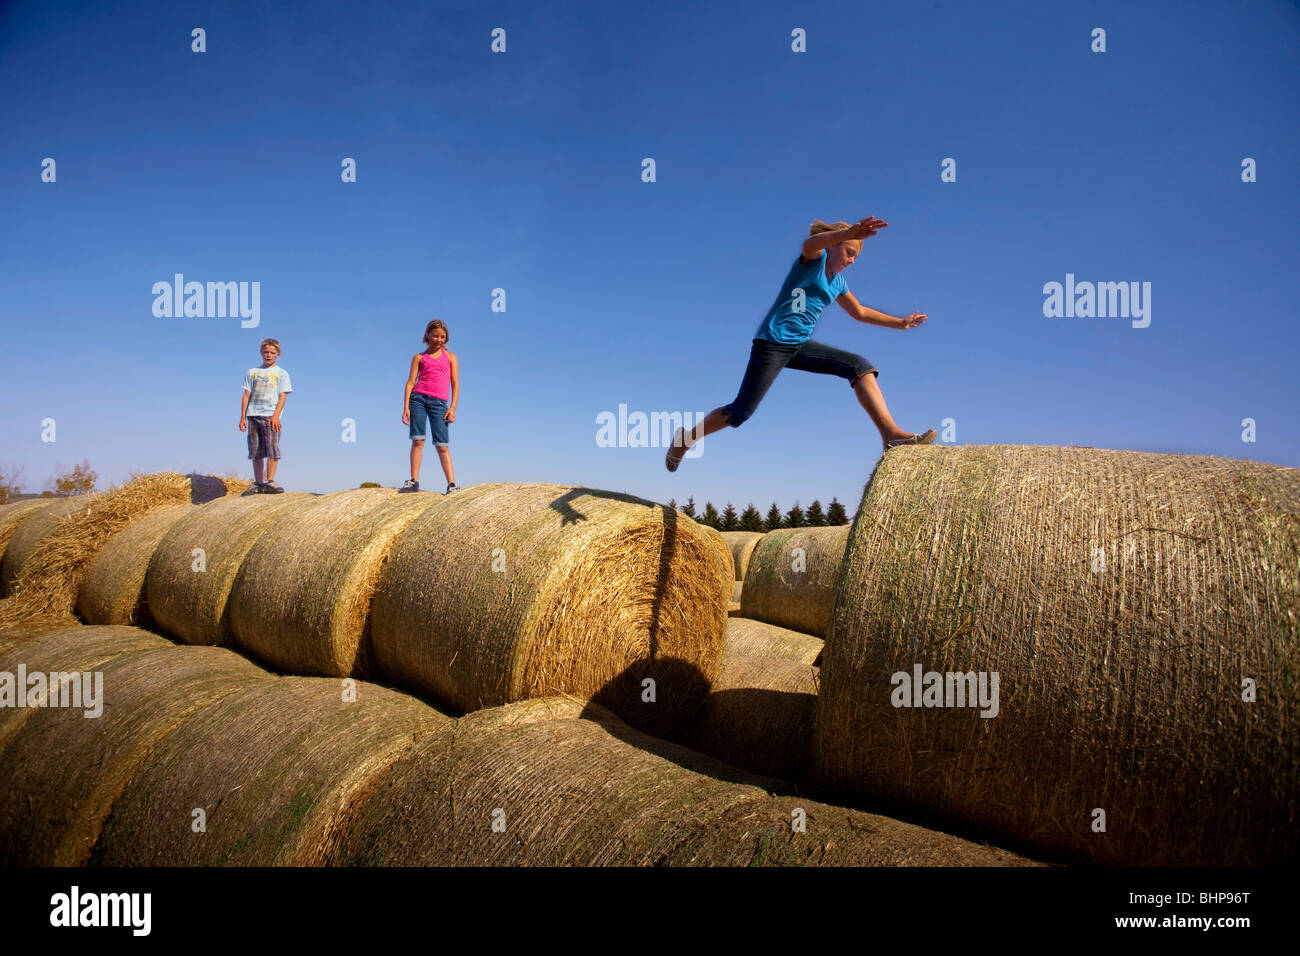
<point>785,323</point>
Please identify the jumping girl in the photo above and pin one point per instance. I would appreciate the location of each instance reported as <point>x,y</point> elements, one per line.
<point>432,390</point>
<point>783,339</point>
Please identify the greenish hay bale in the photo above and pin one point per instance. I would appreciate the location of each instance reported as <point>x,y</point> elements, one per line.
<point>764,834</point>
<point>301,600</point>
<point>741,544</point>
<point>75,648</point>
<point>792,577</point>
<point>759,716</point>
<point>34,525</point>
<point>112,591</point>
<point>503,592</point>
<point>277,768</point>
<point>755,639</point>
<point>569,784</point>
<point>1122,598</point>
<point>192,605</point>
<point>62,772</point>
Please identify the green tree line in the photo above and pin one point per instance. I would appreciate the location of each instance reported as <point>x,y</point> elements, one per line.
<point>751,519</point>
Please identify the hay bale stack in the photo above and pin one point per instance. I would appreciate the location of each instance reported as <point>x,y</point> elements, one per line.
<point>755,639</point>
<point>742,544</point>
<point>1122,599</point>
<point>112,591</point>
<point>792,577</point>
<point>564,784</point>
<point>759,716</point>
<point>192,605</point>
<point>504,592</point>
<point>75,648</point>
<point>33,526</point>
<point>277,769</point>
<point>62,772</point>
<point>763,834</point>
<point>301,600</point>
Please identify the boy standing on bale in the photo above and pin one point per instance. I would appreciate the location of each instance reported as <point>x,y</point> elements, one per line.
<point>265,390</point>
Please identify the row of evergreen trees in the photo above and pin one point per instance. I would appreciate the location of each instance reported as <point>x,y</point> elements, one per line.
<point>751,520</point>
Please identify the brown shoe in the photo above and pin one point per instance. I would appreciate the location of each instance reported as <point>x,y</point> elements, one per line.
<point>925,438</point>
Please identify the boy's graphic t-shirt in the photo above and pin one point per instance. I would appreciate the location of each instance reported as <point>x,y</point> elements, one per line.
<point>793,317</point>
<point>264,386</point>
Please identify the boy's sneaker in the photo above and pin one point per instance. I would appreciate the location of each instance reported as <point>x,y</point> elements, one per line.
<point>452,486</point>
<point>253,489</point>
<point>271,488</point>
<point>410,485</point>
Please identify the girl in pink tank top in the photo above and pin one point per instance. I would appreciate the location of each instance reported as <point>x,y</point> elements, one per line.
<point>429,402</point>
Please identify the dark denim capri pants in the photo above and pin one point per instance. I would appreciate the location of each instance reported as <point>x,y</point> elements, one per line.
<point>427,412</point>
<point>766,359</point>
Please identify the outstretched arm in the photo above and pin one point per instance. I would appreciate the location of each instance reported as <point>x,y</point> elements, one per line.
<point>850,304</point>
<point>863,229</point>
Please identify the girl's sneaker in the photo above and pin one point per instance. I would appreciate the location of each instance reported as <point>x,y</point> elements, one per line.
<point>410,485</point>
<point>452,486</point>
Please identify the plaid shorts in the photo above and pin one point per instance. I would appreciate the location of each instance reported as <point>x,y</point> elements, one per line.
<point>263,441</point>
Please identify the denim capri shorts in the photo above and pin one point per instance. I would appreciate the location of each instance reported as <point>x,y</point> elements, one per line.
<point>766,359</point>
<point>426,413</point>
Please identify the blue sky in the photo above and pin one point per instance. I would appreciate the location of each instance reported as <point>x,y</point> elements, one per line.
<point>522,171</point>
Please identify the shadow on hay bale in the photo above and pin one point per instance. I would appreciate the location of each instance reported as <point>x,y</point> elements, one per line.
<point>1127,602</point>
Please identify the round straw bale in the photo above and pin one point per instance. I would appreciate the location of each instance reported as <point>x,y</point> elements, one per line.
<point>503,592</point>
<point>62,772</point>
<point>10,517</point>
<point>735,592</point>
<point>792,577</point>
<point>758,717</point>
<point>301,600</point>
<point>795,831</point>
<point>35,525</point>
<point>277,769</point>
<point>192,569</point>
<point>75,648</point>
<point>573,785</point>
<point>1126,603</point>
<point>756,639</point>
<point>112,590</point>
<point>742,544</point>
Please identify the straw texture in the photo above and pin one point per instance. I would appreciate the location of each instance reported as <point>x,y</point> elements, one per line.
<point>759,716</point>
<point>742,544</point>
<point>62,772</point>
<point>32,526</point>
<point>505,592</point>
<point>533,784</point>
<point>112,591</point>
<point>11,515</point>
<point>755,639</point>
<point>191,605</point>
<point>277,768</point>
<point>301,600</point>
<point>1127,602</point>
<point>792,576</point>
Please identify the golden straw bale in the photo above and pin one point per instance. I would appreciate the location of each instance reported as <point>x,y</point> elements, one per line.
<point>742,545</point>
<point>34,525</point>
<point>301,600</point>
<point>276,768</point>
<point>194,565</point>
<point>755,639</point>
<point>792,577</point>
<point>503,592</point>
<point>1128,603</point>
<point>112,591</point>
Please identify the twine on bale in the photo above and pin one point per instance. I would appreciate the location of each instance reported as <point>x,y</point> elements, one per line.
<point>742,544</point>
<point>310,614</point>
<point>755,639</point>
<point>1128,603</point>
<point>278,769</point>
<point>503,592</point>
<point>53,810</point>
<point>194,565</point>
<point>112,591</point>
<point>792,577</point>
<point>560,783</point>
<point>758,717</point>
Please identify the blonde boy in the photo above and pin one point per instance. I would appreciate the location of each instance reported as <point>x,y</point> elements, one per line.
<point>265,390</point>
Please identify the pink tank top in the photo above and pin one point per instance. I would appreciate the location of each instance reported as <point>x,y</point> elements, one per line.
<point>435,376</point>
